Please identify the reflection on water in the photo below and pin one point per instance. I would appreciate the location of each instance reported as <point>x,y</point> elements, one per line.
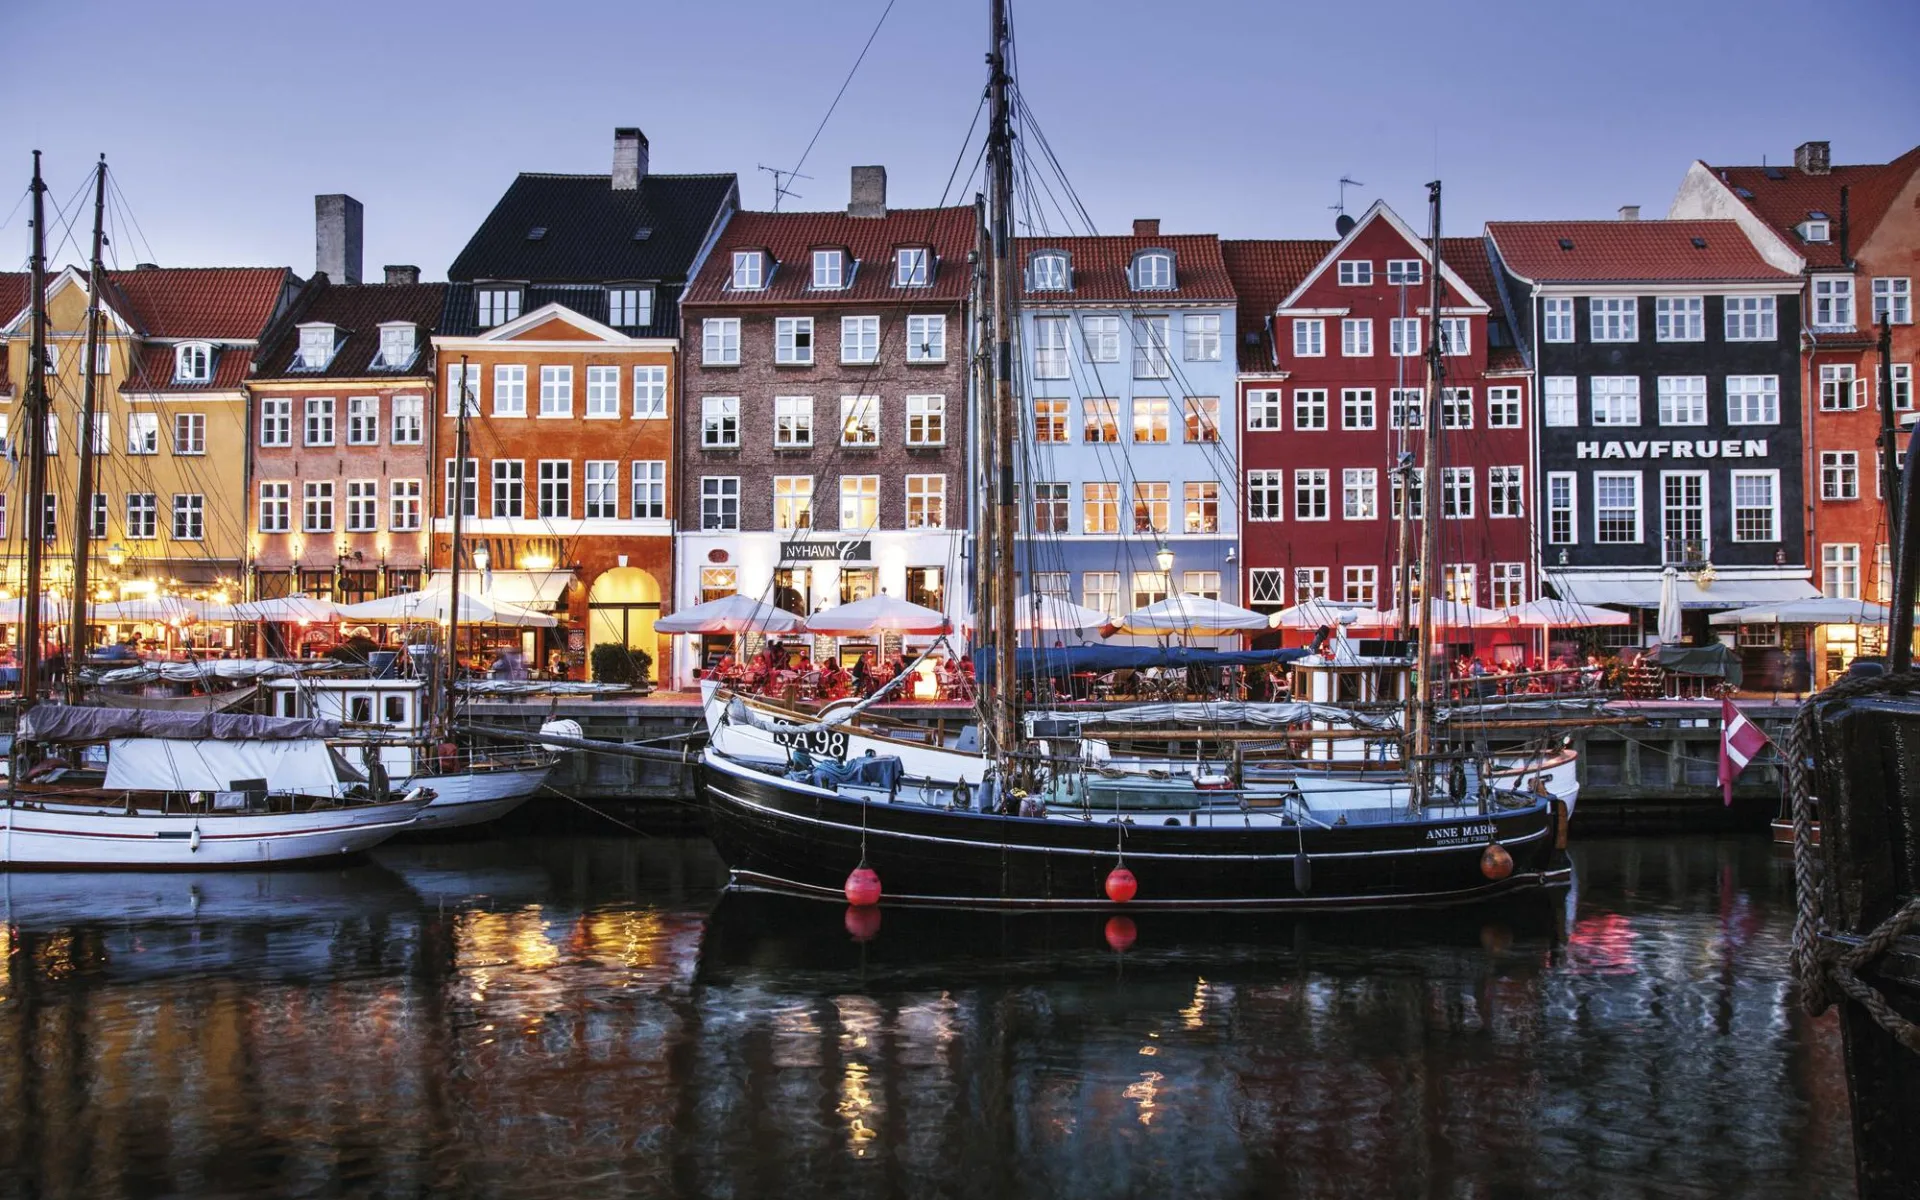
<point>579,1017</point>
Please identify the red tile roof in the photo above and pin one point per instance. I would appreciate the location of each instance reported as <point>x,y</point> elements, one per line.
<point>153,371</point>
<point>1263,273</point>
<point>792,237</point>
<point>198,302</point>
<point>13,298</point>
<point>1631,252</point>
<point>1100,266</point>
<point>1785,202</point>
<point>1467,257</point>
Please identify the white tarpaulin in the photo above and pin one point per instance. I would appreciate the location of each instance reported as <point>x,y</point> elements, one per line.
<point>304,765</point>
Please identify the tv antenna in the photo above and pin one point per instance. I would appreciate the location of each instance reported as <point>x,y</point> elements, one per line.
<point>780,181</point>
<point>1340,209</point>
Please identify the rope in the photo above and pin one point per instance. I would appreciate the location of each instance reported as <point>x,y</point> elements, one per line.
<point>1818,967</point>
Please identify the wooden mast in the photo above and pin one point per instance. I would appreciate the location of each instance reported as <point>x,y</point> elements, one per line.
<point>460,449</point>
<point>1431,514</point>
<point>1000,184</point>
<point>35,433</point>
<point>83,502</point>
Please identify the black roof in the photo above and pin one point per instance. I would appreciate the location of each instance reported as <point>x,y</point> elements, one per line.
<point>357,311</point>
<point>588,230</point>
<point>459,316</point>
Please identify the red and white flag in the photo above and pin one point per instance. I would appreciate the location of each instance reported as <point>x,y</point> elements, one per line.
<point>1740,740</point>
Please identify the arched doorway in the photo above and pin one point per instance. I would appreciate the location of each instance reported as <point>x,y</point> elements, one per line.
<point>621,607</point>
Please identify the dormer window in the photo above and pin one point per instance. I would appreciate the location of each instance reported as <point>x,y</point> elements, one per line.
<point>629,307</point>
<point>829,270</point>
<point>1049,271</point>
<point>496,306</point>
<point>749,270</point>
<point>193,363</point>
<point>912,267</point>
<point>1152,271</point>
<point>316,347</point>
<point>399,342</point>
<point>1816,228</point>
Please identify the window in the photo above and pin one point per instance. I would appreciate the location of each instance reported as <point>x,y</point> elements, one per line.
<point>859,420</point>
<point>1100,419</point>
<point>749,270</point>
<point>403,508</point>
<point>1509,584</point>
<point>650,490</point>
<point>1361,586</point>
<point>1203,336</point>
<point>1839,475</point>
<point>52,364</point>
<point>142,515</point>
<point>1309,337</point>
<point>1840,571</point>
<point>1679,319</point>
<point>1204,584</point>
<point>1050,419</point>
<point>912,267</point>
<point>469,487</point>
<point>792,422</point>
<point>103,357</point>
<point>1355,272</point>
<point>1049,347</point>
<point>1407,408</point>
<point>1456,492</point>
<point>1151,356</point>
<point>1503,491</point>
<point>720,422</point>
<point>793,339</point>
<point>1051,508</point>
<point>1152,504</point>
<point>1100,507</point>
<point>1311,583</point>
<point>1616,507</point>
<point>189,433</point>
<point>143,433</point>
<point>556,391</point>
<point>1310,486</point>
<point>1902,385</point>
<point>276,507</point>
<point>319,421</point>
<point>603,391</point>
<point>1833,302</point>
<point>859,501</point>
<point>1556,319</point>
<point>719,502</point>
<point>720,342</point>
<point>1057,584</point>
<point>509,390</point>
<point>629,307</point>
<point>1048,273</point>
<point>829,269</point>
<point>1839,389</point>
<point>1456,408</point>
<point>190,516</point>
<point>1560,396</point>
<point>1456,336</point>
<point>927,338</point>
<point>1150,587</point>
<point>363,505</point>
<point>1614,318</point>
<point>1101,337</point>
<point>1266,587</point>
<point>1683,399</point>
<point>1152,271</point>
<point>1503,408</point>
<point>1616,400</point>
<point>1266,495</point>
<point>792,502</point>
<point>509,487</point>
<point>1403,270</point>
<point>316,507</point>
<point>1750,319</point>
<point>276,425</point>
<point>193,361</point>
<point>1683,516</point>
<point>496,306</point>
<point>1151,419</point>
<point>556,488</point>
<point>1356,337</point>
<point>926,502</point>
<point>1753,399</point>
<point>927,420</point>
<point>1815,230</point>
<point>650,393</point>
<point>363,420</point>
<point>1403,337</point>
<point>1100,591</point>
<point>1263,409</point>
<point>1201,513</point>
<point>1356,408</point>
<point>53,433</point>
<point>1459,583</point>
<point>1359,490</point>
<point>1309,408</point>
<point>398,343</point>
<point>1893,301</point>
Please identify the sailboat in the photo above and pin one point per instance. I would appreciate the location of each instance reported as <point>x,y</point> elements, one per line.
<point>836,804</point>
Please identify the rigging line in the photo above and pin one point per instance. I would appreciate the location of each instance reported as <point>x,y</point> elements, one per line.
<point>843,88</point>
<point>15,211</point>
<point>121,201</point>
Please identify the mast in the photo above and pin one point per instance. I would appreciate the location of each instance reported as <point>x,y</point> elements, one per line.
<point>83,505</point>
<point>460,449</point>
<point>1000,175</point>
<point>1422,774</point>
<point>35,420</point>
<point>1889,439</point>
<point>1403,464</point>
<point>981,433</point>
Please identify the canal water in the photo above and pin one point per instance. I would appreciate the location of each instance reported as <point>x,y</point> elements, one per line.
<point>588,1016</point>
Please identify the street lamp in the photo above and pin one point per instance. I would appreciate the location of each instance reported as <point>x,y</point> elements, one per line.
<point>116,556</point>
<point>1163,558</point>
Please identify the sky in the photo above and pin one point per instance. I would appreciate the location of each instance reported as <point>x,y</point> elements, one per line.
<point>221,120</point>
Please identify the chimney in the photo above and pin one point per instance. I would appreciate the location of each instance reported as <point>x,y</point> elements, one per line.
<point>1146,227</point>
<point>336,240</point>
<point>402,274</point>
<point>1813,158</point>
<point>1629,212</point>
<point>146,266</point>
<point>629,159</point>
<point>869,195</point>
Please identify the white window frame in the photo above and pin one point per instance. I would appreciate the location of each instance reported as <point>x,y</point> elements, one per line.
<point>928,495</point>
<point>792,422</point>
<point>143,433</point>
<point>792,503</point>
<point>1100,339</point>
<point>927,338</point>
<point>1403,337</point>
<point>1150,420</point>
<point>1359,493</point>
<point>1051,346</point>
<point>507,498</point>
<point>276,506</point>
<point>1680,319</point>
<point>649,493</point>
<point>1832,302</point>
<point>793,341</point>
<point>1556,319</point>
<point>829,270</point>
<point>719,422</point>
<point>1616,405</point>
<point>720,342</point>
<point>1153,347</point>
<point>749,270</point>
<point>1047,272</point>
<point>403,505</point>
<point>1682,399</point>
<point>1893,298</point>
<point>1456,493</point>
<point>1839,475</point>
<point>1506,406</point>
<point>316,506</point>
<point>319,414</point>
<point>1840,570</point>
<point>1613,318</point>
<point>363,506</point>
<point>1263,410</point>
<point>1751,319</point>
<point>1407,271</point>
<point>719,503</point>
<point>363,420</point>
<point>926,420</point>
<point>603,392</point>
<point>1266,494</point>
<point>1356,337</point>
<point>1309,410</point>
<point>859,503</point>
<point>1309,337</point>
<point>860,420</point>
<point>1506,492</point>
<point>1355,272</point>
<point>1201,337</point>
<point>1456,336</point>
<point>650,393</point>
<point>189,516</point>
<point>1602,513</point>
<point>913,267</point>
<point>1733,493</point>
<point>1312,494</point>
<point>556,391</point>
<point>276,423</point>
<point>1358,408</point>
<point>509,390</point>
<point>1753,399</point>
<point>1152,271</point>
<point>1360,586</point>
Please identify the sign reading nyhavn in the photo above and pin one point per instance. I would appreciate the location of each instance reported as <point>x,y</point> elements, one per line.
<point>837,551</point>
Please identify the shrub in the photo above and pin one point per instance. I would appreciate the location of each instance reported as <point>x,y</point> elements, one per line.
<point>616,664</point>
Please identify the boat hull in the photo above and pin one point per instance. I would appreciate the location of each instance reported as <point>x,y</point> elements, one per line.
<point>476,797</point>
<point>76,836</point>
<point>780,834</point>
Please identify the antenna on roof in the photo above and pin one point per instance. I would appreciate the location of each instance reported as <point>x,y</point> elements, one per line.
<point>1340,209</point>
<point>780,180</point>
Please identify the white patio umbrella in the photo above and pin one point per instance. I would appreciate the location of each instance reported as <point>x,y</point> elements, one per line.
<point>729,614</point>
<point>1566,614</point>
<point>1668,625</point>
<point>1045,613</point>
<point>52,608</point>
<point>434,604</point>
<point>1458,614</point>
<point>1317,614</point>
<point>877,613</point>
<point>171,610</point>
<point>1196,615</point>
<point>1822,610</point>
<point>309,610</point>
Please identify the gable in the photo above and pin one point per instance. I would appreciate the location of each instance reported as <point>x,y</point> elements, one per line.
<point>67,301</point>
<point>554,330</point>
<point>555,323</point>
<point>1380,235</point>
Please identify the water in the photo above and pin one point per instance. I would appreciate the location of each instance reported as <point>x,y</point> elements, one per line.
<point>576,1017</point>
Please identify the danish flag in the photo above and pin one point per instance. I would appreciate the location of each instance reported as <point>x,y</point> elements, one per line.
<point>1740,740</point>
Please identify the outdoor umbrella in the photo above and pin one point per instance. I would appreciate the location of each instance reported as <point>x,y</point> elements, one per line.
<point>1668,627</point>
<point>52,608</point>
<point>729,614</point>
<point>1195,615</point>
<point>1033,612</point>
<point>1317,614</point>
<point>433,605</point>
<point>172,610</point>
<point>1458,614</point>
<point>1566,614</point>
<point>309,610</point>
<point>1822,610</point>
<point>880,612</point>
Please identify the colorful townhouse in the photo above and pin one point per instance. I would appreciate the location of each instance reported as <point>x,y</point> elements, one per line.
<point>825,436</point>
<point>560,338</point>
<point>1127,378</point>
<point>342,397</point>
<point>1333,389</point>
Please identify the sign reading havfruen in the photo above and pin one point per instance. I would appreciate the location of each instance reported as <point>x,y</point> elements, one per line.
<point>1706,448</point>
<point>837,551</point>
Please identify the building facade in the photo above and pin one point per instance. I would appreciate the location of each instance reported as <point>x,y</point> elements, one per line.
<point>825,433</point>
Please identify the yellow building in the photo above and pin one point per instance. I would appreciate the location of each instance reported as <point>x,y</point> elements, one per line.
<point>168,511</point>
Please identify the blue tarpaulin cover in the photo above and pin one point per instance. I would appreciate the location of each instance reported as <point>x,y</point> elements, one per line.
<point>873,770</point>
<point>1064,660</point>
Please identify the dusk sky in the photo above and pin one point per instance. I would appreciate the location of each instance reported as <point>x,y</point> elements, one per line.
<point>221,120</point>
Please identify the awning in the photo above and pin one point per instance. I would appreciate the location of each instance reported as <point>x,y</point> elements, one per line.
<point>1645,593</point>
<point>528,589</point>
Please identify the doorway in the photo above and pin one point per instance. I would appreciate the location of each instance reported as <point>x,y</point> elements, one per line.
<point>621,608</point>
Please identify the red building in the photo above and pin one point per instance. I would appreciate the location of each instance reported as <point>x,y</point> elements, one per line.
<point>1332,387</point>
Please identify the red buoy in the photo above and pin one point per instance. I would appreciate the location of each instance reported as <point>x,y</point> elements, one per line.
<point>863,923</point>
<point>1121,885</point>
<point>1496,863</point>
<point>1121,933</point>
<point>863,887</point>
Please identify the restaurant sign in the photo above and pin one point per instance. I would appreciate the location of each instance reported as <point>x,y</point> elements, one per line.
<point>1706,448</point>
<point>836,551</point>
